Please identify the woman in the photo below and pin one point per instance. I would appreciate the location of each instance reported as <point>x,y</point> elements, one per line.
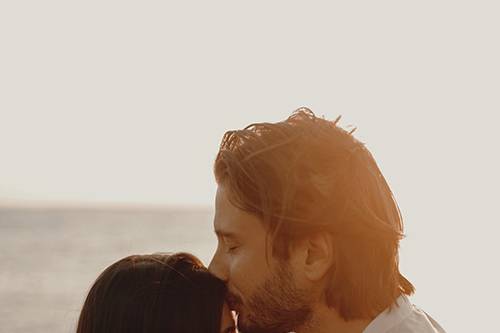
<point>156,293</point>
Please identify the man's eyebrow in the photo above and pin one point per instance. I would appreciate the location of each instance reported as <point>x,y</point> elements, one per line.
<point>227,234</point>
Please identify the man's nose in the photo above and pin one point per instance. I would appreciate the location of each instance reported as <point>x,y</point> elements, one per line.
<point>217,267</point>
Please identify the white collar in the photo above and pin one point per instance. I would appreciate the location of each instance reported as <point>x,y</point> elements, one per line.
<point>391,316</point>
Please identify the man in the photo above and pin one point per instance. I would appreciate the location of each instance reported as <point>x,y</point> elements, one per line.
<point>308,232</point>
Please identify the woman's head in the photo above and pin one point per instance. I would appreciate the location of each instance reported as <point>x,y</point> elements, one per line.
<point>156,293</point>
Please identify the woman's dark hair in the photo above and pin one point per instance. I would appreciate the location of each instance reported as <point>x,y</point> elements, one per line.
<point>154,293</point>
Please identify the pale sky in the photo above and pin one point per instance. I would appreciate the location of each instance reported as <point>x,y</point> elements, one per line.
<point>126,102</point>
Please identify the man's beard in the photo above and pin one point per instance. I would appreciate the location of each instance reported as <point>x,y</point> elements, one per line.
<point>276,306</point>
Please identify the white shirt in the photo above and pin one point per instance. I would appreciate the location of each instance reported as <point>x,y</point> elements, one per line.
<point>403,317</point>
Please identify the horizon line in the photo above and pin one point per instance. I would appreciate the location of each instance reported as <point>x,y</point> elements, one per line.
<point>100,205</point>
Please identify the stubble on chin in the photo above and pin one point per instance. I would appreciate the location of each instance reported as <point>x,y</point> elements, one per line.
<point>277,306</point>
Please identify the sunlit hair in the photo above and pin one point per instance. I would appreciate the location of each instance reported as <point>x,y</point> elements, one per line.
<point>154,294</point>
<point>306,175</point>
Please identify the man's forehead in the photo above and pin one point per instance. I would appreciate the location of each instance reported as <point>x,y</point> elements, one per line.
<point>231,221</point>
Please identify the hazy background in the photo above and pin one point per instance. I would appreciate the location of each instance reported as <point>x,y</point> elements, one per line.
<point>111,114</point>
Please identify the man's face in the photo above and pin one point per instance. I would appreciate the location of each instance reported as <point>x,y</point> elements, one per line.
<point>262,292</point>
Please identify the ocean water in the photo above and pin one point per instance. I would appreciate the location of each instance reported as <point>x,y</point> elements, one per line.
<point>50,258</point>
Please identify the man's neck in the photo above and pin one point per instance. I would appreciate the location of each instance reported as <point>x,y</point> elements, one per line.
<point>327,320</point>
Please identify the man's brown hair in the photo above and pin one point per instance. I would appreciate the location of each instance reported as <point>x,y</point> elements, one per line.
<point>306,175</point>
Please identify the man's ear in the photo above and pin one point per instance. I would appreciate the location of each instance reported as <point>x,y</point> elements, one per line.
<point>318,256</point>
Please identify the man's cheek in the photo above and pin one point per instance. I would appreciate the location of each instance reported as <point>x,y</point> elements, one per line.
<point>239,279</point>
